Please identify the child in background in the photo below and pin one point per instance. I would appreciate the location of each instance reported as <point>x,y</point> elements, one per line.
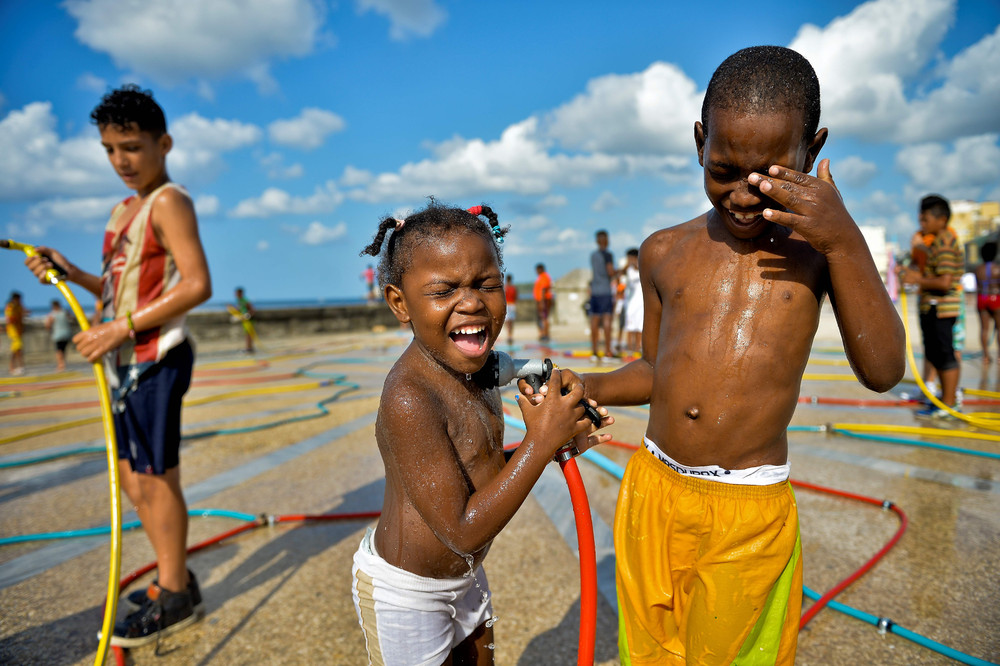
<point>988,297</point>
<point>246,313</point>
<point>510,295</point>
<point>707,546</point>
<point>153,271</point>
<point>57,323</point>
<point>14,314</point>
<point>543,301</point>
<point>633,300</point>
<point>419,586</point>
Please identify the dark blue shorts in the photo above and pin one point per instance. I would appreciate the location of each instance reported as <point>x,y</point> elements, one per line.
<point>149,428</point>
<point>601,304</point>
<point>939,340</point>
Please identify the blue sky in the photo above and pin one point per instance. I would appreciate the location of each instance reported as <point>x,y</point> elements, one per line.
<point>298,124</point>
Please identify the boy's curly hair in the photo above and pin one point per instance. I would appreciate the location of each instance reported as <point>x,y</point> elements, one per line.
<point>130,105</point>
<point>763,79</point>
<point>426,226</point>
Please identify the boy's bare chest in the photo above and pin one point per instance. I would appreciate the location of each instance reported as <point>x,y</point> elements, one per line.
<point>768,289</point>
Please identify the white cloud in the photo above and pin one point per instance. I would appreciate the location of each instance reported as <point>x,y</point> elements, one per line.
<point>37,164</point>
<point>553,201</point>
<point>605,201</point>
<point>308,131</point>
<point>92,83</point>
<point>518,162</point>
<point>318,234</point>
<point>274,201</point>
<point>869,59</point>
<point>967,102</point>
<point>84,214</point>
<point>176,40</point>
<point>274,164</point>
<point>199,143</point>
<point>652,111</point>
<point>406,17</point>
<point>207,205</point>
<point>963,173</point>
<point>853,171</point>
<point>263,245</point>
<point>537,235</point>
<point>354,177</point>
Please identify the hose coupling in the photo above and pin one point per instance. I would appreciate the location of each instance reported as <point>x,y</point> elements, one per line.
<point>887,504</point>
<point>566,453</point>
<point>267,519</point>
<point>884,625</point>
<point>814,400</point>
<point>827,428</point>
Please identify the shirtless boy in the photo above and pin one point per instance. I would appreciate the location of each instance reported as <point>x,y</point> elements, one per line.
<point>706,529</point>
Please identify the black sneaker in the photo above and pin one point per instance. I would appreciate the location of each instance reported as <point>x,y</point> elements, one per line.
<point>163,613</point>
<point>137,598</point>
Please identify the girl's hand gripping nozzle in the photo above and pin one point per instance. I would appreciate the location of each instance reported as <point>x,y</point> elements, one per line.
<point>501,369</point>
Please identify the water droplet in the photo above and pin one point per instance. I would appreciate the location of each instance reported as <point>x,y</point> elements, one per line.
<point>491,646</point>
<point>490,622</point>
<point>486,595</point>
<point>468,377</point>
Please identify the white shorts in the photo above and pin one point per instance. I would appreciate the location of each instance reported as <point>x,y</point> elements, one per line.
<point>411,619</point>
<point>511,312</point>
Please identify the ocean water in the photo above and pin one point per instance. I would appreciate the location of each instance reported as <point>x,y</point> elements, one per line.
<point>264,304</point>
<point>38,312</point>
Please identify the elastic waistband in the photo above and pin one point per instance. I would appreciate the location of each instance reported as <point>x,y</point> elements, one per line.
<point>762,475</point>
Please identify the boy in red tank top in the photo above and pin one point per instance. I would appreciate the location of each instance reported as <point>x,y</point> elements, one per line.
<point>153,272</point>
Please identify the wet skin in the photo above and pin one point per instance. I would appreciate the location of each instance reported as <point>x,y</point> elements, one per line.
<point>139,159</point>
<point>732,298</point>
<point>448,492</point>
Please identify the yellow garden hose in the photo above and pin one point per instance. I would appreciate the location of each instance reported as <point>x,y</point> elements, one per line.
<point>114,490</point>
<point>986,420</point>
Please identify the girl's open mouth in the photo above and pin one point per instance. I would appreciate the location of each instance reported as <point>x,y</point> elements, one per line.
<point>470,340</point>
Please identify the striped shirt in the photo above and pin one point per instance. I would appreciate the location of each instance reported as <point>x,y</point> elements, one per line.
<point>137,269</point>
<point>944,257</point>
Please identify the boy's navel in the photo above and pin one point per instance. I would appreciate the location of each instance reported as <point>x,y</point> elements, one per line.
<point>692,413</point>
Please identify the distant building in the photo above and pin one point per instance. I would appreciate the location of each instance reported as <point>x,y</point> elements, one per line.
<point>875,238</point>
<point>975,223</point>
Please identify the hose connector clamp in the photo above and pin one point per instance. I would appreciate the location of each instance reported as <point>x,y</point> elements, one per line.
<point>567,452</point>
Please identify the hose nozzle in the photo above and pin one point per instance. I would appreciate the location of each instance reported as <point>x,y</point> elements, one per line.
<point>54,275</point>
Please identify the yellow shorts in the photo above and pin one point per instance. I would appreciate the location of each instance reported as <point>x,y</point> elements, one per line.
<point>707,572</point>
<point>15,338</point>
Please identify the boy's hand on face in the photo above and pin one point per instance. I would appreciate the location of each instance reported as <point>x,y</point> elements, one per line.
<point>813,206</point>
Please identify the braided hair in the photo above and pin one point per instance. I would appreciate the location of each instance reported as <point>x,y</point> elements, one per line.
<point>425,226</point>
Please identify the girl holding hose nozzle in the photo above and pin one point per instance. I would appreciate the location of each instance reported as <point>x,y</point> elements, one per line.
<point>419,587</point>
<point>153,272</point>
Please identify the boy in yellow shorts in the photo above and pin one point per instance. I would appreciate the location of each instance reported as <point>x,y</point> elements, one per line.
<point>706,528</point>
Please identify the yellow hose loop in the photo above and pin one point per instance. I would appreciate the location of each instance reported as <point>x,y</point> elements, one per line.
<point>979,419</point>
<point>917,430</point>
<point>111,448</point>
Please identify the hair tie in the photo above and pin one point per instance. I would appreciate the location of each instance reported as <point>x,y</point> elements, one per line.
<point>399,223</point>
<point>476,210</point>
<point>497,234</point>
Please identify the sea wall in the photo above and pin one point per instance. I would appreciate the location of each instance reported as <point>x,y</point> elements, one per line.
<point>272,323</point>
<point>275,323</point>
